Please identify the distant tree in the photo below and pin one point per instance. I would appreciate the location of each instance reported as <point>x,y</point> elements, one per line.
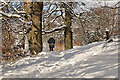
<point>68,30</point>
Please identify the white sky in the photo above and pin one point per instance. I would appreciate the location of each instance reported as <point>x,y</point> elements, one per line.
<point>101,2</point>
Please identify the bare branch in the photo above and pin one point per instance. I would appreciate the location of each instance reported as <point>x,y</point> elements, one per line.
<point>54,29</point>
<point>110,7</point>
<point>9,15</point>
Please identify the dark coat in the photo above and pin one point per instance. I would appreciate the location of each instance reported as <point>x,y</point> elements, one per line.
<point>51,42</point>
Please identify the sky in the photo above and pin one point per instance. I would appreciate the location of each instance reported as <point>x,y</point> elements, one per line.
<point>92,3</point>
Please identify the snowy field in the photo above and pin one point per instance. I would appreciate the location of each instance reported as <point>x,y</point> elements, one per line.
<point>96,60</point>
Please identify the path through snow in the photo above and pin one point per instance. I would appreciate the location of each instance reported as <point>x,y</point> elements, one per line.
<point>89,61</point>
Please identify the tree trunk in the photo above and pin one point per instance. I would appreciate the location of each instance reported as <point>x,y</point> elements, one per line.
<point>23,37</point>
<point>119,19</point>
<point>68,31</point>
<point>35,35</point>
<point>1,37</point>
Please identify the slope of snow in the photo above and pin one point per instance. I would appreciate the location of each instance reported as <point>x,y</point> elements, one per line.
<point>89,61</point>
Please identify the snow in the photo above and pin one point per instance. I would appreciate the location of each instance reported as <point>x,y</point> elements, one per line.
<point>89,61</point>
<point>54,29</point>
<point>9,15</point>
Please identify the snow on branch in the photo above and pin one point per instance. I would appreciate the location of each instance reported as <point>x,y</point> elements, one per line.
<point>18,12</point>
<point>110,7</point>
<point>117,3</point>
<point>54,21</point>
<point>52,11</point>
<point>9,15</point>
<point>72,12</point>
<point>54,29</point>
<point>23,21</point>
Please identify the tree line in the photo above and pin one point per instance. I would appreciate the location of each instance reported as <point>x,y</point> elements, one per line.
<point>29,21</point>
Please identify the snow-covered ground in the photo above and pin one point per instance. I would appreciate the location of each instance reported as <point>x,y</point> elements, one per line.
<point>89,61</point>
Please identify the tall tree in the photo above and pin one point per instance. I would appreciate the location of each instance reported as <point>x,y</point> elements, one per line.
<point>68,30</point>
<point>35,35</point>
<point>118,18</point>
<point>66,14</point>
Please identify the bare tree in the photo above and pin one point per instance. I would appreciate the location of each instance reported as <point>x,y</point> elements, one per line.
<point>68,29</point>
<point>35,35</point>
<point>65,12</point>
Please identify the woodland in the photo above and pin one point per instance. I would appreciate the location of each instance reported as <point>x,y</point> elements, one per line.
<point>25,27</point>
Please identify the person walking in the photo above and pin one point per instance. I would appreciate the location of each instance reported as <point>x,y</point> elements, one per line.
<point>51,42</point>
